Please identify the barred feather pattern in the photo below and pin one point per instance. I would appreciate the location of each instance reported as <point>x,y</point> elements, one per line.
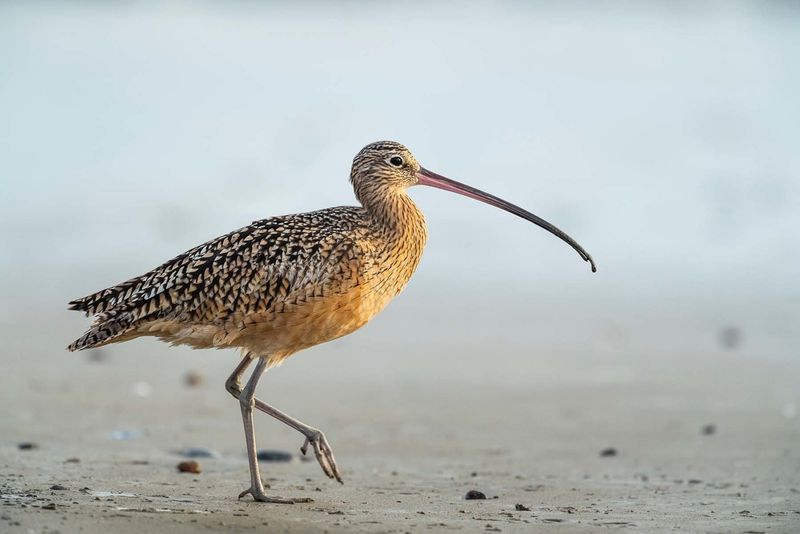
<point>280,284</point>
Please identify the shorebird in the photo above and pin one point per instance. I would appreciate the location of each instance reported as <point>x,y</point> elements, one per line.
<point>287,283</point>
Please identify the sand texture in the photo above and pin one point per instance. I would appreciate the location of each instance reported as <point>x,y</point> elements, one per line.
<point>409,451</point>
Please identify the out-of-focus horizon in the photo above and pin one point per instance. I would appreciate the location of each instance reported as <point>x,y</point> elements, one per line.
<point>662,137</point>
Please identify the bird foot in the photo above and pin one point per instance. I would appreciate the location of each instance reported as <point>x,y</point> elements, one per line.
<point>324,454</point>
<point>258,495</point>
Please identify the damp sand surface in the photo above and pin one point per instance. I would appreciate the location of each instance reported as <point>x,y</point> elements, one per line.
<point>689,443</point>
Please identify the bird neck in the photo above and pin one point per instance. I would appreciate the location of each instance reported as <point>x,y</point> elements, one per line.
<point>392,212</point>
<point>397,235</point>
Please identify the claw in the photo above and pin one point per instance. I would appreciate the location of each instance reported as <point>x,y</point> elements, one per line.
<point>258,495</point>
<point>324,454</point>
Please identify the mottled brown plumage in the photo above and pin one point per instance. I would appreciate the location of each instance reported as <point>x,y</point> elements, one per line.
<point>286,283</point>
<point>278,285</point>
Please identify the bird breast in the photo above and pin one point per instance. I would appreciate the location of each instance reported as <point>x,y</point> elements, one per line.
<point>381,267</point>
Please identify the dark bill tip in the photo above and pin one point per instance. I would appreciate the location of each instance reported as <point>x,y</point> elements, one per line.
<point>430,178</point>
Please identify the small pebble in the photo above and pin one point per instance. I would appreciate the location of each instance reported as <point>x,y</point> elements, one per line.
<point>189,466</point>
<point>58,487</point>
<point>27,446</point>
<point>124,435</point>
<point>611,451</point>
<point>474,495</point>
<point>730,337</point>
<point>141,389</point>
<point>268,455</point>
<point>97,355</point>
<point>72,461</point>
<point>707,430</point>
<point>49,506</point>
<point>192,379</point>
<point>521,508</point>
<point>199,452</point>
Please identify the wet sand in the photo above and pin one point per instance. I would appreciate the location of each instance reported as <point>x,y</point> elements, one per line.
<point>409,450</point>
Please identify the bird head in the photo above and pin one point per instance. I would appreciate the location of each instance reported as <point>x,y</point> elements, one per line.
<point>382,166</point>
<point>386,167</point>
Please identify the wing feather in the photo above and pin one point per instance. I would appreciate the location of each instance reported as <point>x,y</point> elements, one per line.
<point>250,271</point>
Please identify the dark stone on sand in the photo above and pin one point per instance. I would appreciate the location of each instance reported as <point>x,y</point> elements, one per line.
<point>189,466</point>
<point>199,452</point>
<point>521,508</point>
<point>473,495</point>
<point>267,455</point>
<point>708,430</point>
<point>730,337</point>
<point>192,379</point>
<point>58,487</point>
<point>97,355</point>
<point>27,446</point>
<point>609,452</point>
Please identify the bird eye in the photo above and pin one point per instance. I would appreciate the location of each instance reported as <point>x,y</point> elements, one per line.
<point>396,161</point>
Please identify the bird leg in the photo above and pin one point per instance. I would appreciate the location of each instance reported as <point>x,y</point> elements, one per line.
<point>247,401</point>
<point>234,382</point>
<point>314,437</point>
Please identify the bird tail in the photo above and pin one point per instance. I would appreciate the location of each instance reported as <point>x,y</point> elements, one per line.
<point>103,332</point>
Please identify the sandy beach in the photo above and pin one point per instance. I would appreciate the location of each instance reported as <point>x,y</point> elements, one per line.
<point>699,443</point>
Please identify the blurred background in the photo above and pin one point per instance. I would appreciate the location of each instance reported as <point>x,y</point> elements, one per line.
<point>662,136</point>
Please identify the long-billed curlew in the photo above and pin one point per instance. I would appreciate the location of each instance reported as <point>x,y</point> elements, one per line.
<point>287,283</point>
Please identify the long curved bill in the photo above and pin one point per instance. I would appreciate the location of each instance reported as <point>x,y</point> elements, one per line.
<point>429,178</point>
